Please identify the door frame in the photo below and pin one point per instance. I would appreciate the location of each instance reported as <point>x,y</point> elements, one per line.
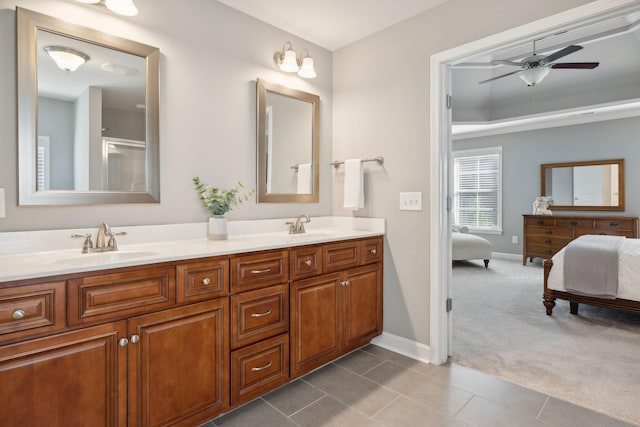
<point>439,161</point>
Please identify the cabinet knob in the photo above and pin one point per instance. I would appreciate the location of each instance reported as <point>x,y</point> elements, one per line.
<point>308,262</point>
<point>18,314</point>
<point>614,224</point>
<point>123,342</point>
<point>134,339</point>
<point>345,283</point>
<point>547,231</point>
<point>206,281</point>
<point>574,222</point>
<point>548,241</point>
<point>261,368</point>
<point>374,251</point>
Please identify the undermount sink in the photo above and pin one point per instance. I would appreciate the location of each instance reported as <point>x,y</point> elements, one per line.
<point>79,259</point>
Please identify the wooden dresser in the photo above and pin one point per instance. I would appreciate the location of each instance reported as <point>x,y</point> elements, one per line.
<point>544,236</point>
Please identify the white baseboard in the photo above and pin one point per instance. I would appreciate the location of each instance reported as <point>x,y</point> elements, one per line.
<point>504,255</point>
<point>404,346</point>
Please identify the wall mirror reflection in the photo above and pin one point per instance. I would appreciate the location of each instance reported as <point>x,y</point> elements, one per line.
<point>593,185</point>
<point>287,144</point>
<point>88,115</point>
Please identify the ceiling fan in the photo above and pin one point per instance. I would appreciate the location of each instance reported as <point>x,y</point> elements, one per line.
<point>534,68</point>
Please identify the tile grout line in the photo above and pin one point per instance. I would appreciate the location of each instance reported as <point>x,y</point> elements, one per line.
<point>279,411</point>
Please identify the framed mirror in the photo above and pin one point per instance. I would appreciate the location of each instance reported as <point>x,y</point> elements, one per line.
<point>86,135</point>
<point>587,186</point>
<point>287,144</point>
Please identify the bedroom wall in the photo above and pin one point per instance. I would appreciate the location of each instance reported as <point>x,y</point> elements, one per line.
<point>211,56</point>
<point>524,152</point>
<point>381,107</point>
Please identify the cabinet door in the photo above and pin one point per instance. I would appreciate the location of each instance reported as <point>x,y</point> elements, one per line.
<point>315,322</point>
<point>362,305</point>
<point>71,379</point>
<point>179,365</point>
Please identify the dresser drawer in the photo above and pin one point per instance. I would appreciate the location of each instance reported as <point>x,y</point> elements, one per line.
<point>604,231</point>
<point>32,310</point>
<point>339,256</point>
<point>540,220</point>
<point>541,251</point>
<point>574,222</point>
<point>614,224</point>
<point>259,314</point>
<point>258,271</point>
<point>549,231</point>
<point>118,295</point>
<point>259,368</point>
<point>199,281</point>
<point>371,250</point>
<point>547,242</point>
<point>306,262</point>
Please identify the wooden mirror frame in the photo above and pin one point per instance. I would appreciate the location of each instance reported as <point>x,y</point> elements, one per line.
<point>621,190</point>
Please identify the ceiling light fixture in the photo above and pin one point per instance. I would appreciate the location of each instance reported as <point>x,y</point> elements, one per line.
<point>66,59</point>
<point>535,75</point>
<point>287,60</point>
<point>121,7</point>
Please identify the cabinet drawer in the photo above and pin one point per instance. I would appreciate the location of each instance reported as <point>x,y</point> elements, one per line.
<point>575,222</point>
<point>339,256</point>
<point>257,271</point>
<point>614,224</point>
<point>118,295</point>
<point>541,251</point>
<point>539,220</point>
<point>259,368</point>
<point>371,250</point>
<point>306,262</point>
<point>31,310</point>
<point>549,231</point>
<point>198,281</point>
<point>604,231</point>
<point>547,241</point>
<point>259,314</point>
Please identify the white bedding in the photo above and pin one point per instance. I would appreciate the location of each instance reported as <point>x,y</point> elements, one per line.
<point>628,270</point>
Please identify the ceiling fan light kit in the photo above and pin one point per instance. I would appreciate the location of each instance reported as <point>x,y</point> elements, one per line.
<point>533,76</point>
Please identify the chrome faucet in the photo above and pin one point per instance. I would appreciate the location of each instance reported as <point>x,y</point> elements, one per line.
<point>103,232</point>
<point>298,226</point>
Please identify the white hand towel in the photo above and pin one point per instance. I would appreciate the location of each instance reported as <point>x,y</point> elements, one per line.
<point>305,184</point>
<point>353,184</point>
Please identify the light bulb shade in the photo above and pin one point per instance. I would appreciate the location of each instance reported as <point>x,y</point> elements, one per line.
<point>66,58</point>
<point>533,76</point>
<point>89,1</point>
<point>122,7</point>
<point>306,70</point>
<point>289,62</point>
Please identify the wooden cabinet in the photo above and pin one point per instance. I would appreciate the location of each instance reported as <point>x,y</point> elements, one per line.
<point>544,236</point>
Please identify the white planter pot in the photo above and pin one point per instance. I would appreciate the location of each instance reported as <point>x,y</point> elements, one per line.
<point>217,228</point>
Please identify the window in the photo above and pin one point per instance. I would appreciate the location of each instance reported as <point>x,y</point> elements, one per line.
<point>477,186</point>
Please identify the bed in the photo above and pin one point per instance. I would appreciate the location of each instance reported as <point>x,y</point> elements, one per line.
<point>467,246</point>
<point>627,292</point>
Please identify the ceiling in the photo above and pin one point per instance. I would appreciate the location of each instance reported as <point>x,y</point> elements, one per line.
<point>349,20</point>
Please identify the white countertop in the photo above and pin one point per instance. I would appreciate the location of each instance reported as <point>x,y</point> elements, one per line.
<point>152,248</point>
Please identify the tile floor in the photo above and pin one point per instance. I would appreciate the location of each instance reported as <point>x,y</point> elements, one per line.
<point>376,387</point>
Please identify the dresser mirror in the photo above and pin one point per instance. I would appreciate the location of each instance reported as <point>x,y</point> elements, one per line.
<point>586,186</point>
<point>287,144</point>
<point>89,135</point>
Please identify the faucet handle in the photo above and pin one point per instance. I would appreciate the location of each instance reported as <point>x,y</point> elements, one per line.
<point>112,239</point>
<point>87,244</point>
<point>292,226</point>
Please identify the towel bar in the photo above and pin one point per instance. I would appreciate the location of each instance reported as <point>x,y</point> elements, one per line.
<point>379,160</point>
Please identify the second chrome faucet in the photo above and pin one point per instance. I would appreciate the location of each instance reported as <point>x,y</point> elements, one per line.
<point>104,231</point>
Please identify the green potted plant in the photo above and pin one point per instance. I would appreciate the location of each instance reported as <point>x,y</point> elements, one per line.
<point>218,202</point>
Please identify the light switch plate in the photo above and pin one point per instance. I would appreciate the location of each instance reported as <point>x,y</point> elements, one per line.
<point>411,201</point>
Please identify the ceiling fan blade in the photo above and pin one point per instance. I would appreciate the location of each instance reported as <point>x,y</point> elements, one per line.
<point>559,54</point>
<point>576,65</point>
<point>501,76</point>
<point>505,62</point>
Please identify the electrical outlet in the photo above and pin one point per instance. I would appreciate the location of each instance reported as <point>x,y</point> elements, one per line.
<point>514,240</point>
<point>411,201</point>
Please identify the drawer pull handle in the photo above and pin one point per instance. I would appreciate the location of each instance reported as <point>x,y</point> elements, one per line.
<point>266,313</point>
<point>123,342</point>
<point>547,231</point>
<point>18,314</point>
<point>308,262</point>
<point>574,223</point>
<point>602,233</point>
<point>134,339</point>
<point>548,251</point>
<point>614,224</point>
<point>206,281</point>
<point>548,241</point>
<point>373,251</point>
<point>262,368</point>
<point>540,222</point>
<point>266,270</point>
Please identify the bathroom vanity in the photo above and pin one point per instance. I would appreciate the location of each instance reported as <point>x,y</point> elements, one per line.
<point>164,341</point>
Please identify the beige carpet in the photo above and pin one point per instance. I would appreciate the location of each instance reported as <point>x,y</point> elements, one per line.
<point>500,327</point>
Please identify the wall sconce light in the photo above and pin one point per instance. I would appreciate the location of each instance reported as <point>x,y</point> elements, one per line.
<point>121,7</point>
<point>287,60</point>
<point>66,59</point>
